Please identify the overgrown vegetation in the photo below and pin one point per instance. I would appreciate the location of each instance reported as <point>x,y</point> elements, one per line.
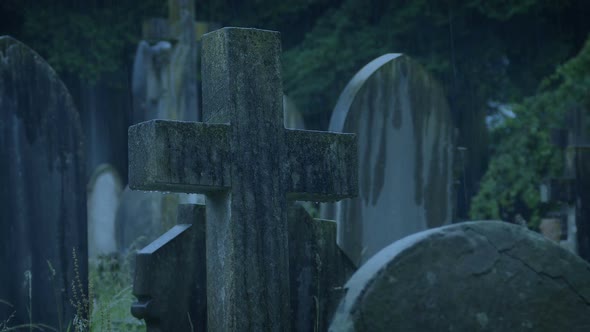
<point>87,38</point>
<point>523,154</point>
<point>104,307</point>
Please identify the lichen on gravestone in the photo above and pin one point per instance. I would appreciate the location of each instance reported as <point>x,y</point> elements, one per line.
<point>245,162</point>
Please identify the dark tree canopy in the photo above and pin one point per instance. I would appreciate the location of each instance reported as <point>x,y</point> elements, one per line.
<point>485,52</point>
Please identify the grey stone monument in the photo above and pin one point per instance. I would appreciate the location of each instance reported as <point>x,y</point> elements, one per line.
<point>405,154</point>
<point>103,192</point>
<point>472,276</point>
<point>248,165</point>
<point>42,191</point>
<point>170,278</point>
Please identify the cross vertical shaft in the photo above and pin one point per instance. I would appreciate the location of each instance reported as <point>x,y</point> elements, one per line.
<point>248,267</point>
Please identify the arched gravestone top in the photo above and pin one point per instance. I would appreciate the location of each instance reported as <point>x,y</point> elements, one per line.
<point>472,276</point>
<point>405,140</point>
<point>103,191</point>
<point>42,190</point>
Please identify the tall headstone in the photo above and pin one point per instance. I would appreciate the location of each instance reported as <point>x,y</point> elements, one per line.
<point>165,69</point>
<point>472,276</point>
<point>246,163</point>
<point>42,191</point>
<point>103,192</point>
<point>405,154</point>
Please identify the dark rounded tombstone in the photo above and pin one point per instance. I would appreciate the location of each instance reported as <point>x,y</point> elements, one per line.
<point>42,192</point>
<point>473,276</point>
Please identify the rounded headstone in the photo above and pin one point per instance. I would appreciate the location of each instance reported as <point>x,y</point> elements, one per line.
<point>42,191</point>
<point>104,191</point>
<point>405,152</point>
<point>472,276</point>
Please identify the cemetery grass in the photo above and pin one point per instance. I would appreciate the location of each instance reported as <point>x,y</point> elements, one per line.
<point>110,284</point>
<point>110,288</point>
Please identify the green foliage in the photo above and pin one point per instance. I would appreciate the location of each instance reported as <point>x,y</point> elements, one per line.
<point>480,50</point>
<point>111,280</point>
<point>85,40</point>
<point>523,153</point>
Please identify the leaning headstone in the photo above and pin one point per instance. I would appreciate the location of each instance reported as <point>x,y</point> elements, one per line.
<point>174,301</point>
<point>103,190</point>
<point>42,191</point>
<point>472,276</point>
<point>246,163</point>
<point>405,153</point>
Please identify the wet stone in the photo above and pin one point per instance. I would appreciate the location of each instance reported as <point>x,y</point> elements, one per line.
<point>248,165</point>
<point>472,276</point>
<point>42,191</point>
<point>405,140</point>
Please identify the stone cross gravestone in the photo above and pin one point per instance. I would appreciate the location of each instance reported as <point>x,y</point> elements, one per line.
<point>405,138</point>
<point>42,191</point>
<point>176,301</point>
<point>104,191</point>
<point>472,276</point>
<point>248,165</point>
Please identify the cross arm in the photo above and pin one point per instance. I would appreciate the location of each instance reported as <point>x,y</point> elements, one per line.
<point>190,157</point>
<point>323,166</point>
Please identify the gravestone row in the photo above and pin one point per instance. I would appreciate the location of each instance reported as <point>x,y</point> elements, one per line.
<point>466,277</point>
<point>246,180</point>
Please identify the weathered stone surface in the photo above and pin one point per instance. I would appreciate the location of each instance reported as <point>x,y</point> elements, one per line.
<point>405,155</point>
<point>176,156</point>
<point>247,265</point>
<point>42,190</point>
<point>472,276</point>
<point>318,271</point>
<point>170,279</point>
<point>104,191</point>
